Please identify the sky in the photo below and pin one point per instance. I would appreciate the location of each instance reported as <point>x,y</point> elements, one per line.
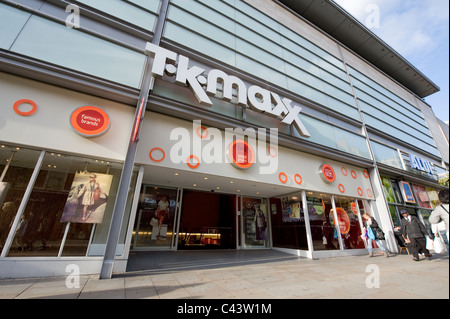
<point>419,31</point>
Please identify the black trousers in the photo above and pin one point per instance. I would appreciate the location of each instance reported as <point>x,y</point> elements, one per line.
<point>418,244</point>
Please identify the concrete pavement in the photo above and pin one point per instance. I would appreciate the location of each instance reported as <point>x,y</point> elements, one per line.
<point>234,275</point>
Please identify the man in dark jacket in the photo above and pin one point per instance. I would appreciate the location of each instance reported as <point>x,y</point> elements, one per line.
<point>414,230</point>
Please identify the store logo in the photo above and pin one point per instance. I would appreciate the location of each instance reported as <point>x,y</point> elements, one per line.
<point>420,164</point>
<point>90,121</point>
<point>255,97</point>
<point>238,147</point>
<point>242,154</point>
<point>327,173</point>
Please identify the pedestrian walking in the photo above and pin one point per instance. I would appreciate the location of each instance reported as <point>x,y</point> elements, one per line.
<point>415,232</point>
<point>373,232</point>
<point>440,214</point>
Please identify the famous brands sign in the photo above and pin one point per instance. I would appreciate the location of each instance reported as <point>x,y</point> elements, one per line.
<point>253,97</point>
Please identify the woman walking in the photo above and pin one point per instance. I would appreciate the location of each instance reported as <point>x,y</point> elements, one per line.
<point>372,233</point>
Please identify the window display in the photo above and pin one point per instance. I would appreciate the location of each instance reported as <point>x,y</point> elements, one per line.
<point>255,220</point>
<point>155,218</point>
<point>323,232</point>
<point>68,208</point>
<point>349,221</point>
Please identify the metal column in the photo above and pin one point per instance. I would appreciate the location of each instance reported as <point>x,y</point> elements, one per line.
<point>125,180</point>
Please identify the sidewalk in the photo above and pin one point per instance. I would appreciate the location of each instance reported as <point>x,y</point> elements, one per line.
<point>250,275</point>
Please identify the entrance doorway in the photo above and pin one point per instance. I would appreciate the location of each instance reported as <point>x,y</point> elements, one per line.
<point>156,218</point>
<point>208,221</point>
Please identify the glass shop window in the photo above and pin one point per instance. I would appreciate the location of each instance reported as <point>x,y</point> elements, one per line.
<point>16,168</point>
<point>323,232</point>
<point>349,221</point>
<point>71,200</point>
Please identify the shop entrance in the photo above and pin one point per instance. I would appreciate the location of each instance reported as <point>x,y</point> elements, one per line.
<point>207,221</point>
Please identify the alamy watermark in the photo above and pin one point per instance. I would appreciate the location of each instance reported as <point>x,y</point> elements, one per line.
<point>373,18</point>
<point>373,279</point>
<point>73,277</point>
<point>73,19</point>
<point>241,147</point>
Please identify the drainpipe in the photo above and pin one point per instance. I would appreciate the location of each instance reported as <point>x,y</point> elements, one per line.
<point>127,172</point>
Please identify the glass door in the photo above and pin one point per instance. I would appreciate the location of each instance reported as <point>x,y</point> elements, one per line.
<point>156,218</point>
<point>254,223</point>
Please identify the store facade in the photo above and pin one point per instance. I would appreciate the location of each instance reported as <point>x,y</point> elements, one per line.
<point>250,139</point>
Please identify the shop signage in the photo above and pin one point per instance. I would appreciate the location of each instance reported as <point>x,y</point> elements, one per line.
<point>420,164</point>
<point>241,154</point>
<point>90,121</point>
<point>254,97</point>
<point>327,173</point>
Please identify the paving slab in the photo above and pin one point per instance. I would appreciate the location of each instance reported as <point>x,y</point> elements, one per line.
<point>252,275</point>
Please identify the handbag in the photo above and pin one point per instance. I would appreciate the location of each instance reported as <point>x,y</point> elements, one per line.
<point>407,240</point>
<point>370,233</point>
<point>430,244</point>
<point>438,246</point>
<point>154,222</point>
<point>379,234</point>
<point>97,194</point>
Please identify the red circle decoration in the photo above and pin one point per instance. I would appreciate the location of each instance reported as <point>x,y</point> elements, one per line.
<point>160,150</point>
<point>366,174</point>
<point>369,193</point>
<point>341,188</point>
<point>327,173</point>
<point>344,171</point>
<point>25,101</point>
<point>90,121</point>
<point>273,152</point>
<point>353,173</point>
<point>298,179</point>
<point>192,165</point>
<point>360,191</point>
<point>283,178</point>
<point>242,154</point>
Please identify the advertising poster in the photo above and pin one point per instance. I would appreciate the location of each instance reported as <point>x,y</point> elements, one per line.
<point>3,191</point>
<point>407,193</point>
<point>87,198</point>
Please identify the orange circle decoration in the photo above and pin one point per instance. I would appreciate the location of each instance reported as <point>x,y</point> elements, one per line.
<point>343,220</point>
<point>369,193</point>
<point>353,173</point>
<point>341,188</point>
<point>283,177</point>
<point>327,173</point>
<point>90,121</point>
<point>360,191</point>
<point>366,174</point>
<point>202,132</point>
<point>25,101</point>
<point>298,179</point>
<point>193,157</point>
<point>344,171</point>
<point>155,159</point>
<point>241,154</point>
